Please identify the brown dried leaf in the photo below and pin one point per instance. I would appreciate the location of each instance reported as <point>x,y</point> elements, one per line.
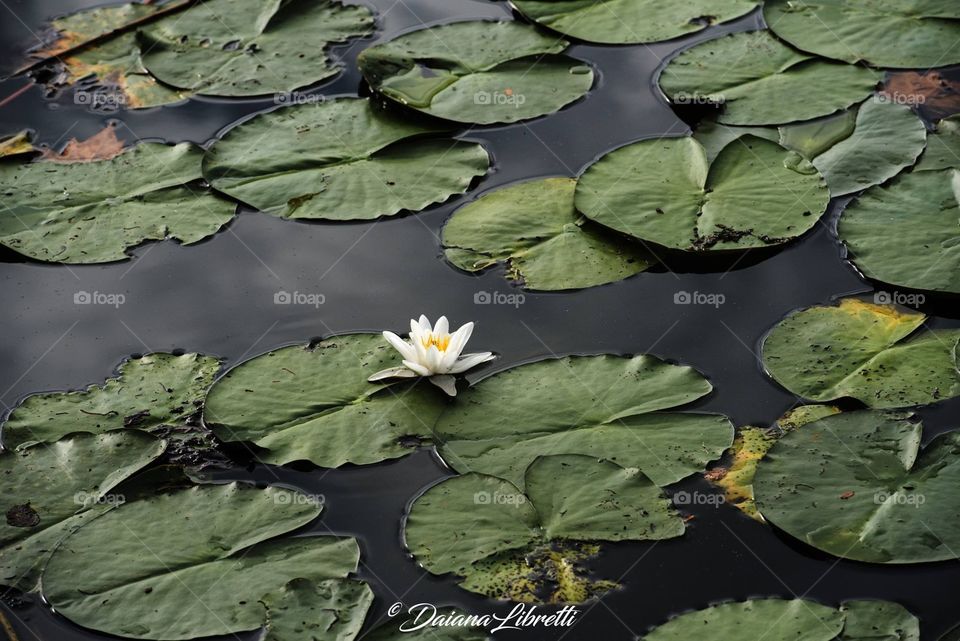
<point>101,146</point>
<point>931,92</point>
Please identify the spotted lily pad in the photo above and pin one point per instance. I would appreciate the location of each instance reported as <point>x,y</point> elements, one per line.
<point>192,563</point>
<point>761,81</point>
<point>313,403</point>
<point>610,407</point>
<point>332,609</point>
<point>883,33</point>
<point>869,352</point>
<point>477,72</point>
<point>794,619</point>
<point>498,538</point>
<point>858,485</point>
<point>340,160</point>
<point>96,212</point>
<point>148,392</point>
<point>547,245</point>
<point>50,490</point>
<point>755,193</point>
<point>943,147</point>
<point>907,232</point>
<point>251,47</point>
<point>735,476</point>
<point>631,21</point>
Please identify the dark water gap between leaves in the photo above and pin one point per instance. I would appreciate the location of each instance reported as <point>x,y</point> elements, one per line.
<point>218,298</point>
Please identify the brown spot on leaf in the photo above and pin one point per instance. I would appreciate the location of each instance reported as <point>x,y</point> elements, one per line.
<point>22,516</point>
<point>935,95</point>
<point>101,146</point>
<point>849,494</point>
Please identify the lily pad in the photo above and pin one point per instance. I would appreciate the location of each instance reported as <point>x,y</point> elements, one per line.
<point>251,47</point>
<point>313,402</point>
<point>191,563</point>
<point>754,194</point>
<point>735,477</point>
<point>943,147</point>
<point>868,352</point>
<point>340,160</point>
<point>794,619</point>
<point>858,486</point>
<point>883,33</point>
<point>50,490</point>
<point>391,631</point>
<point>96,212</point>
<point>907,233</point>
<point>486,529</point>
<point>495,72</point>
<point>148,392</point>
<point>761,81</point>
<point>886,139</point>
<point>333,609</point>
<point>546,244</point>
<point>631,21</point>
<point>608,407</point>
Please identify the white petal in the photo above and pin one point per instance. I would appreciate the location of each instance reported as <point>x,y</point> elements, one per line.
<point>460,337</point>
<point>442,326</point>
<point>392,372</point>
<point>418,368</point>
<point>471,360</point>
<point>425,324</point>
<point>414,327</point>
<point>406,349</point>
<point>447,359</point>
<point>447,383</point>
<point>434,358</point>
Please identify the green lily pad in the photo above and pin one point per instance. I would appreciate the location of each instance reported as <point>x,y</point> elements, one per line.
<point>858,486</point>
<point>251,47</point>
<point>758,80</point>
<point>414,631</point>
<point>96,212</point>
<point>754,194</point>
<point>489,532</point>
<point>191,563</point>
<point>340,160</point>
<point>333,609</point>
<point>883,33</point>
<point>793,619</point>
<point>943,147</point>
<point>496,72</point>
<point>608,407</point>
<point>313,403</point>
<point>886,139</point>
<point>907,233</point>
<point>868,352</point>
<point>147,393</point>
<point>534,228</point>
<point>50,490</point>
<point>631,21</point>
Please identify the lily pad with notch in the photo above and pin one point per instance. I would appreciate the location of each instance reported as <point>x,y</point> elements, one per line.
<point>610,407</point>
<point>477,72</point>
<point>535,230</point>
<point>345,159</point>
<point>529,545</point>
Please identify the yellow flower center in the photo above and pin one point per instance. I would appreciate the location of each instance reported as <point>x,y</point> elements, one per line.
<point>441,342</point>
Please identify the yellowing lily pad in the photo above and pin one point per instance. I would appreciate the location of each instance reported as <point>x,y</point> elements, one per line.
<point>527,546</point>
<point>873,353</point>
<point>477,72</point>
<point>537,232</point>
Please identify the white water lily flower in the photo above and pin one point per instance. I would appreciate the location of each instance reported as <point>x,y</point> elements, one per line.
<point>433,352</point>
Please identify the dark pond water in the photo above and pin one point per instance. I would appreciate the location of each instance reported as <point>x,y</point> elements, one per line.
<point>217,298</point>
